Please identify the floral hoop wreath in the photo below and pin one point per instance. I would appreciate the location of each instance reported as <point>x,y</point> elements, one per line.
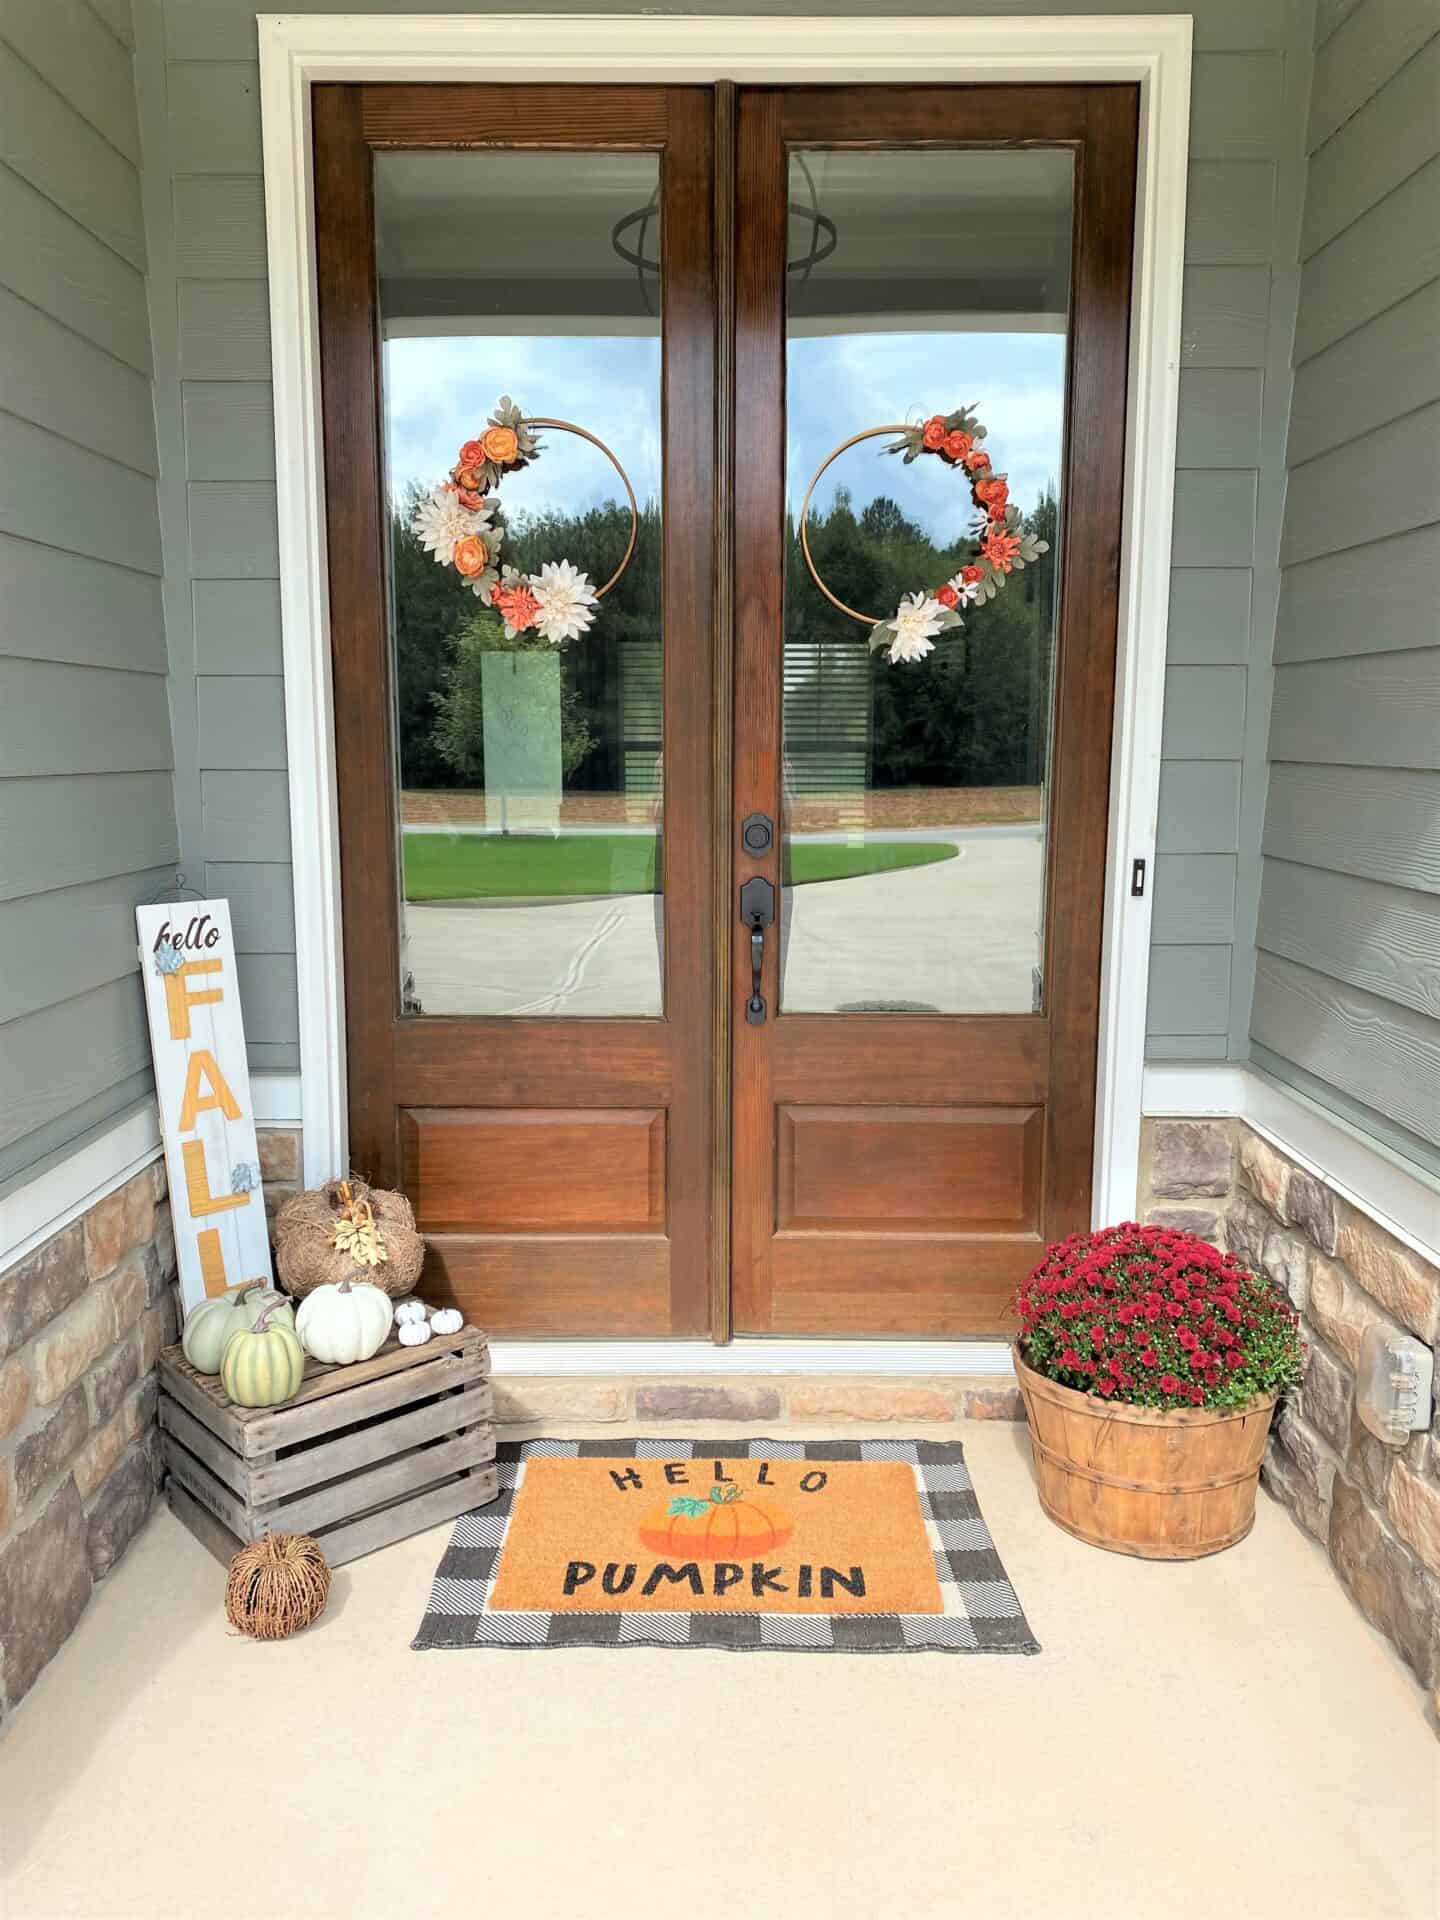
<point>1003,546</point>
<point>455,523</point>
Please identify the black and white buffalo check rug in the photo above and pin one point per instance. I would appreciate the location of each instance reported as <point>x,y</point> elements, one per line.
<point>815,1546</point>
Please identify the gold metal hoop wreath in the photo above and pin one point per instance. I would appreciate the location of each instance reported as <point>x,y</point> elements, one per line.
<point>584,433</point>
<point>870,433</point>
<point>455,522</point>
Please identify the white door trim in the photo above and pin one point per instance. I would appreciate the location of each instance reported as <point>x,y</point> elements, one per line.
<point>297,51</point>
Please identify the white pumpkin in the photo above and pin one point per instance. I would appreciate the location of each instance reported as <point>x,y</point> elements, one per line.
<point>411,1310</point>
<point>413,1333</point>
<point>344,1323</point>
<point>447,1320</point>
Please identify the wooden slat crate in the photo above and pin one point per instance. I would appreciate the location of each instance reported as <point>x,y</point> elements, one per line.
<point>361,1456</point>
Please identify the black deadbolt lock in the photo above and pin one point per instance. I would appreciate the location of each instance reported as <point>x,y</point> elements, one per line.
<point>756,833</point>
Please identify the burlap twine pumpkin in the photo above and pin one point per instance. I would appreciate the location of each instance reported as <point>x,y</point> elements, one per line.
<point>277,1585</point>
<point>306,1256</point>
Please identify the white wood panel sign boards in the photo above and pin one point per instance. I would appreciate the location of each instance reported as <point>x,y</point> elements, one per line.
<point>202,1081</point>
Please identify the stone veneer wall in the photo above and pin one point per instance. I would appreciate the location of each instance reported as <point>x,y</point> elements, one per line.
<point>523,1398</point>
<point>82,1322</point>
<point>1374,1509</point>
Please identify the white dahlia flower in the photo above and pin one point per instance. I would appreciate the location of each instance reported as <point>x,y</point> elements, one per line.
<point>567,601</point>
<point>917,619</point>
<point>440,520</point>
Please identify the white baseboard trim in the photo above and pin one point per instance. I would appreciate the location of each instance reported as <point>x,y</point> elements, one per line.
<point>1396,1194</point>
<point>753,1356</point>
<point>69,1186</point>
<point>276,1099</point>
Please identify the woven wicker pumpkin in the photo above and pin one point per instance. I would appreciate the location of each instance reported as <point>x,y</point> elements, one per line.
<point>277,1585</point>
<point>324,1236</point>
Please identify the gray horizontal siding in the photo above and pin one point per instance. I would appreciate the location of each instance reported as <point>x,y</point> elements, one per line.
<point>223,30</point>
<point>86,935</point>
<point>1379,1053</point>
<point>1382,938</point>
<point>1347,990</point>
<point>80,51</point>
<point>1331,607</point>
<point>1366,820</point>
<point>47,142</point>
<point>87,810</point>
<point>59,718</point>
<point>1382,371</point>
<point>1374,710</point>
<point>66,606</point>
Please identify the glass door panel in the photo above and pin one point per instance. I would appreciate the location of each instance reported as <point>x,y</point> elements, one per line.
<point>915,790</point>
<point>530,760</point>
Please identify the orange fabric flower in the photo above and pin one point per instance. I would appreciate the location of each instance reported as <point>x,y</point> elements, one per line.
<point>465,479</point>
<point>469,498</point>
<point>972,576</point>
<point>947,596</point>
<point>993,494</point>
<point>957,445</point>
<point>517,605</point>
<point>501,445</point>
<point>1000,549</point>
<point>977,462</point>
<point>470,555</point>
<point>472,454</point>
<point>933,435</point>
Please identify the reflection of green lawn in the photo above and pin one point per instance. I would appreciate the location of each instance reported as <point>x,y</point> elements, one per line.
<point>474,866</point>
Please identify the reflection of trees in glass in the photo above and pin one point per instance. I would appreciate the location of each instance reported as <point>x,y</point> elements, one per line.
<point>975,712</point>
<point>610,678</point>
<point>459,731</point>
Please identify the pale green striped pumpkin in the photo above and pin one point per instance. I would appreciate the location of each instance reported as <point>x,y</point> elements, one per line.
<point>262,1365</point>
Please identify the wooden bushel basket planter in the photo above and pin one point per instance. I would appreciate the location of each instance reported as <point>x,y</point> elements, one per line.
<point>1164,1485</point>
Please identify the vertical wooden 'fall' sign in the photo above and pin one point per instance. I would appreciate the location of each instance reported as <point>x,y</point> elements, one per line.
<point>202,1079</point>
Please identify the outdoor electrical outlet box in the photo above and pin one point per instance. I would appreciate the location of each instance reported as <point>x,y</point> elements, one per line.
<point>1393,1383</point>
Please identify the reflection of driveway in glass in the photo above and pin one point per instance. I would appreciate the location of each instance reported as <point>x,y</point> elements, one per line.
<point>960,936</point>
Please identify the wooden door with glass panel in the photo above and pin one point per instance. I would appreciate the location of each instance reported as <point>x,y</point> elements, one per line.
<point>925,643</point>
<point>517,335</point>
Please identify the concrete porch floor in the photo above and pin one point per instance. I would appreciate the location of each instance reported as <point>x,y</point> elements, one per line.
<point>1224,1737</point>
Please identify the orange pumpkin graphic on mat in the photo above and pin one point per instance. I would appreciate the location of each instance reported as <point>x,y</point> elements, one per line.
<point>728,1526</point>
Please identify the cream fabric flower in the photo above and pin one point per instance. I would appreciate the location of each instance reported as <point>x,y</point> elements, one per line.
<point>918,618</point>
<point>567,601</point>
<point>440,521</point>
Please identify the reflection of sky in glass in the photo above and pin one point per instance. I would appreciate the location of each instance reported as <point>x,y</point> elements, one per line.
<point>838,385</point>
<point>439,391</point>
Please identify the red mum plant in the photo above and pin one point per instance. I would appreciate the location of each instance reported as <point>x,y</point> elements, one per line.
<point>1156,1318</point>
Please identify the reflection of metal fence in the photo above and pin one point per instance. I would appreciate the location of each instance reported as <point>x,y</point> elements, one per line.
<point>827,716</point>
<point>641,723</point>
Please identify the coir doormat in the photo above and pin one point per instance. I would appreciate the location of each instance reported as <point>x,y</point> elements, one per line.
<point>822,1546</point>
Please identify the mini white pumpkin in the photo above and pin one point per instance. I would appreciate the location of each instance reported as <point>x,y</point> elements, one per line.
<point>344,1323</point>
<point>447,1320</point>
<point>411,1310</point>
<point>414,1333</point>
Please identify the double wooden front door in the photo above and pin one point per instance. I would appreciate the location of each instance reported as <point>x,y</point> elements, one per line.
<point>718,957</point>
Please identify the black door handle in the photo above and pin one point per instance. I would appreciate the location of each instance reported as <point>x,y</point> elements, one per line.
<point>757,911</point>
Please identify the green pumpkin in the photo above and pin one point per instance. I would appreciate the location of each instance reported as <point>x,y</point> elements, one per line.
<point>209,1325</point>
<point>263,1365</point>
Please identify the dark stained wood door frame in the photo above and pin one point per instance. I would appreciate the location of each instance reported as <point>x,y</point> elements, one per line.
<point>833,1284</point>
<point>620,1282</point>
<point>715,374</point>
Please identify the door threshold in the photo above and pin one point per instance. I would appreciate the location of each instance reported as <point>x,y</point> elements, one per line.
<point>750,1356</point>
